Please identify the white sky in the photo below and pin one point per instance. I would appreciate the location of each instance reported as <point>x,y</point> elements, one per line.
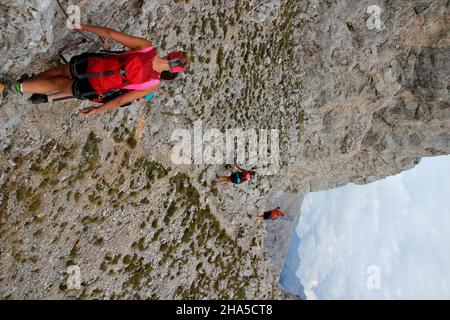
<point>400,225</point>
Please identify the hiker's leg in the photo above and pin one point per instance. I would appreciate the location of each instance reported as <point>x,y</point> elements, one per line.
<point>59,95</point>
<point>258,218</point>
<point>222,180</point>
<point>61,71</point>
<point>58,84</point>
<point>220,183</point>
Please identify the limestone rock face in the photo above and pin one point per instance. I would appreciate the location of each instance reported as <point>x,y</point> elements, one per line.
<point>375,101</point>
<point>352,103</point>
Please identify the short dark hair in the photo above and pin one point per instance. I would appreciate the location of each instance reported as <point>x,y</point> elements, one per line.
<point>167,75</point>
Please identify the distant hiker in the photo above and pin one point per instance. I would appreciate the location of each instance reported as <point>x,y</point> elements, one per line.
<point>238,175</point>
<point>273,215</point>
<point>111,78</point>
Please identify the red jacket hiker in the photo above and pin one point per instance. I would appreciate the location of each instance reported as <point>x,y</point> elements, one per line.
<point>276,214</point>
<point>117,71</point>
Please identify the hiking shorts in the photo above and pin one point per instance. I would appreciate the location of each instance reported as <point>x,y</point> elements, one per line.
<point>81,88</point>
<point>235,177</point>
<point>267,215</point>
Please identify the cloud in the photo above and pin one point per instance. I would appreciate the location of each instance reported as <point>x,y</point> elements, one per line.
<point>400,225</point>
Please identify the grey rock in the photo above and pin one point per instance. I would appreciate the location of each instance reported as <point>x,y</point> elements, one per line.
<point>352,105</point>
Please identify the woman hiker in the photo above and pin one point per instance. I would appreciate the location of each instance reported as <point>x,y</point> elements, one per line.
<point>273,215</point>
<point>238,175</point>
<point>114,79</point>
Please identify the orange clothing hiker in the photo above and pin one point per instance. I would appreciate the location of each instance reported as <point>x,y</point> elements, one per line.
<point>273,215</point>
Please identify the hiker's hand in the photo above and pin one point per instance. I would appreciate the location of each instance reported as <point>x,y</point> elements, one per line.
<point>106,45</point>
<point>89,111</point>
<point>74,25</point>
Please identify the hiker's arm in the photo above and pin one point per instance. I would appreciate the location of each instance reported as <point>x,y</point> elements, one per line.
<point>123,99</point>
<point>239,168</point>
<point>134,43</point>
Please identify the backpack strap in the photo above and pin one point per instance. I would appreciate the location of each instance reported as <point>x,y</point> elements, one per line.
<point>84,58</point>
<point>99,74</point>
<point>144,50</point>
<point>142,86</point>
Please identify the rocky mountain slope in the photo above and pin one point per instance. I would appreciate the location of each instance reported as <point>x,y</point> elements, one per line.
<point>352,104</point>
